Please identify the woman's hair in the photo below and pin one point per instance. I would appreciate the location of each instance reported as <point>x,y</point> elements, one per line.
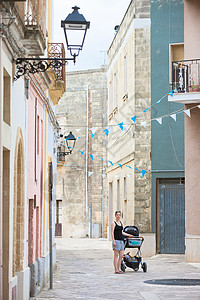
<point>117,211</point>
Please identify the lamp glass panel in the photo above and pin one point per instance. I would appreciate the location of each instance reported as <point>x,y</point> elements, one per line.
<point>70,144</point>
<point>75,38</point>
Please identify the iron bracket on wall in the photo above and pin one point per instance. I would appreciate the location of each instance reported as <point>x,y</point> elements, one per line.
<point>37,65</point>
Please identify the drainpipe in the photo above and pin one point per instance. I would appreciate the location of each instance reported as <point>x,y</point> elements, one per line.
<point>86,154</point>
<point>1,93</point>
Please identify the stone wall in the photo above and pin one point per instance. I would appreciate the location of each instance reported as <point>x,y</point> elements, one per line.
<point>80,184</point>
<point>129,191</point>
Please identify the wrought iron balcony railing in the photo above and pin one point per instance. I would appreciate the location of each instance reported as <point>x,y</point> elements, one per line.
<point>57,50</point>
<point>186,76</point>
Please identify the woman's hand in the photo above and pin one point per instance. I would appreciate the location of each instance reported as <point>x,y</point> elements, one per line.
<point>114,243</point>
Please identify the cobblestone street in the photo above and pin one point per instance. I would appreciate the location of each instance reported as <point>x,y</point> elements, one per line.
<point>85,271</point>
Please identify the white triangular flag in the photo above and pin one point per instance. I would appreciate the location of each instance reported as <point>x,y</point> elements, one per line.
<point>128,175</point>
<point>90,173</point>
<point>187,111</point>
<point>103,175</point>
<point>78,129</point>
<point>173,116</point>
<point>144,124</point>
<point>93,130</point>
<point>159,120</point>
<point>116,176</point>
<point>125,127</point>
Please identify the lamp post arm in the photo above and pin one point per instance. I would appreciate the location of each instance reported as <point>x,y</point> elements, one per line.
<point>36,65</point>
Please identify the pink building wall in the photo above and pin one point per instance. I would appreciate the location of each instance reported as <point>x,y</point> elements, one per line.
<point>35,173</point>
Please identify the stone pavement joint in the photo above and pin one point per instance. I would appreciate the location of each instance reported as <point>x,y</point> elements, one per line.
<point>85,271</point>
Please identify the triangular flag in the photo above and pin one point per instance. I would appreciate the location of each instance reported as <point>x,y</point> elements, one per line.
<point>143,173</point>
<point>170,94</point>
<point>78,138</point>
<point>120,166</point>
<point>187,111</point>
<point>129,167</point>
<point>58,162</point>
<point>110,162</point>
<point>103,175</point>
<point>159,101</point>
<point>121,125</point>
<point>106,131</point>
<point>134,118</point>
<point>93,130</point>
<point>90,173</point>
<point>78,129</point>
<point>159,120</point>
<point>100,157</point>
<point>125,127</point>
<point>66,166</point>
<point>144,124</point>
<point>146,110</point>
<point>91,156</point>
<point>81,152</point>
<point>173,116</point>
<point>128,175</point>
<point>137,169</point>
<point>92,135</point>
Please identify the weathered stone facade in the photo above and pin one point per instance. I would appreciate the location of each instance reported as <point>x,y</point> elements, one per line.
<point>80,184</point>
<point>128,96</point>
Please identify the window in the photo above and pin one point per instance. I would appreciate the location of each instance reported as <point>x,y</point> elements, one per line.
<point>125,189</point>
<point>115,91</point>
<point>118,194</point>
<point>125,75</point>
<point>6,97</point>
<point>176,53</point>
<point>38,134</point>
<point>58,224</point>
<point>110,98</point>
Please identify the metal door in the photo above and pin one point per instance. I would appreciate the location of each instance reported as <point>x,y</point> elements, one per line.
<point>172,218</point>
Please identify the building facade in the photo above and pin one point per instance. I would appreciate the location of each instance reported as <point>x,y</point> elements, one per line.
<point>28,150</point>
<point>129,140</point>
<point>167,139</point>
<point>186,86</point>
<point>81,185</point>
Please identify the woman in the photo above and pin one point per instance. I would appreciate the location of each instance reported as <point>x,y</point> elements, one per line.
<point>118,241</point>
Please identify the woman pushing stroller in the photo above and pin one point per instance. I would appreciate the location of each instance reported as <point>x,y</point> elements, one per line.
<point>118,241</point>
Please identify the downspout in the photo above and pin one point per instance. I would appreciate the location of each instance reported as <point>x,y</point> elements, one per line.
<point>86,153</point>
<point>1,93</point>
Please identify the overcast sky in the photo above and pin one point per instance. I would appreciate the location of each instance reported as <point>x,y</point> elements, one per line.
<point>103,15</point>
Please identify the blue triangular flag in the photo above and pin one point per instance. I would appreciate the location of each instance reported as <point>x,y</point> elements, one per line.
<point>158,101</point>
<point>81,152</point>
<point>120,166</point>
<point>93,134</point>
<point>137,169</point>
<point>91,156</point>
<point>146,109</point>
<point>110,162</point>
<point>106,131</point>
<point>170,94</point>
<point>143,173</point>
<point>121,125</point>
<point>134,118</point>
<point>129,167</point>
<point>100,157</point>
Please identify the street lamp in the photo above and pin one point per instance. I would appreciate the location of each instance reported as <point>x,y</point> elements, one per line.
<point>75,27</point>
<point>70,141</point>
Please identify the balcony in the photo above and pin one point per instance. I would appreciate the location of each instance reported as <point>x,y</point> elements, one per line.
<point>186,81</point>
<point>35,28</point>
<point>57,75</point>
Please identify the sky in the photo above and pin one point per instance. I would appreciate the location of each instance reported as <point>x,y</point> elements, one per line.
<point>103,15</point>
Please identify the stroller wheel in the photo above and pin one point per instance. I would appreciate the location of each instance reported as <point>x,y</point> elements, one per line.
<point>144,267</point>
<point>136,269</point>
<point>123,266</point>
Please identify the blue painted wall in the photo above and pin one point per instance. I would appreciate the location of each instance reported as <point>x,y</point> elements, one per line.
<point>167,140</point>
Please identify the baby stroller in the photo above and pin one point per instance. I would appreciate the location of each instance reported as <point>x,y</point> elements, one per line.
<point>136,242</point>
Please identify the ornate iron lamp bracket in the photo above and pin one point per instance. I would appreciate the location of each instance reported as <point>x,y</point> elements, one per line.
<point>37,65</point>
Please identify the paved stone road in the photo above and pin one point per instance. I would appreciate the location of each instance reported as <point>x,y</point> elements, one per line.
<point>85,271</point>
